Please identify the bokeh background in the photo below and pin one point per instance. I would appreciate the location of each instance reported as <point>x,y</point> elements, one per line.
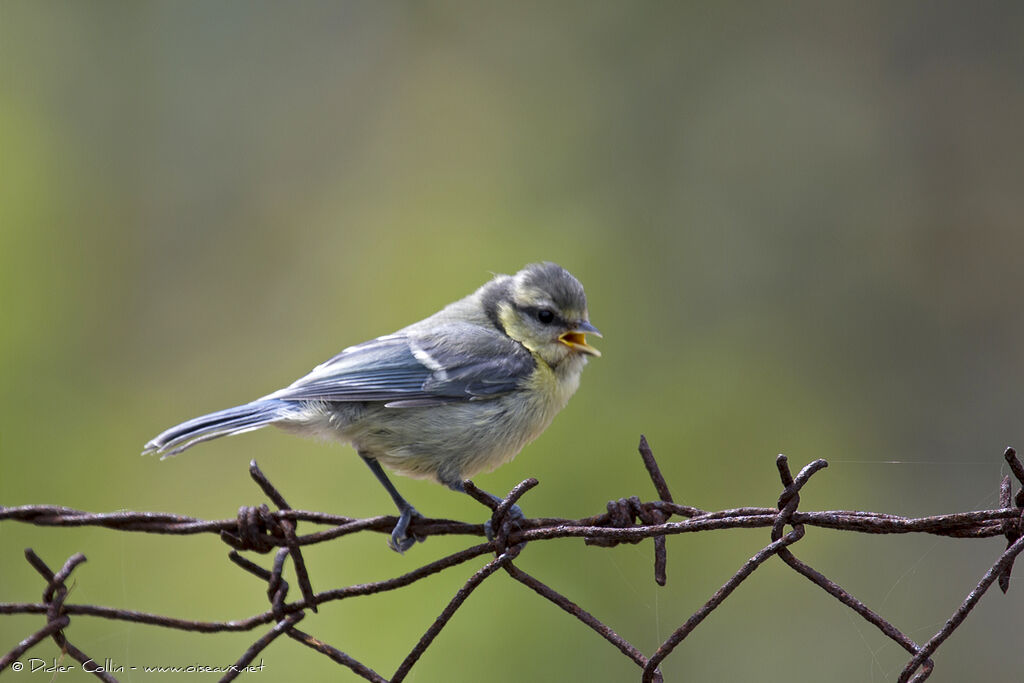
<point>799,227</point>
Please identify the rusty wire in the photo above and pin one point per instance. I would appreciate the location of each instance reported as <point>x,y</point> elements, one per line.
<point>628,520</point>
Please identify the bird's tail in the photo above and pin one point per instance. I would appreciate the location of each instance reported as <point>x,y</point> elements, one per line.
<point>226,422</point>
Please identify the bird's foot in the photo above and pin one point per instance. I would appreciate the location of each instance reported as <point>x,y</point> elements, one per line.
<point>512,516</point>
<point>401,540</point>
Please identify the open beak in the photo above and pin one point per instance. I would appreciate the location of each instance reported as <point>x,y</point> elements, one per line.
<point>576,338</point>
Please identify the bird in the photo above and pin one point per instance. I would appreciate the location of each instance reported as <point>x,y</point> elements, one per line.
<point>453,395</point>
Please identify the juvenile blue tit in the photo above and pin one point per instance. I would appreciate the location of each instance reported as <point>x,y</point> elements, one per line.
<point>455,394</point>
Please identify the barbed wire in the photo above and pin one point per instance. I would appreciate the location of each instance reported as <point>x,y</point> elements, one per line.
<point>629,520</point>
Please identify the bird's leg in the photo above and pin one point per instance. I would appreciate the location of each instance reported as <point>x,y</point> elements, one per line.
<point>400,539</point>
<point>514,512</point>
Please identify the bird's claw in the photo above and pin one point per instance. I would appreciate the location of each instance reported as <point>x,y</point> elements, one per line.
<point>513,515</point>
<point>401,540</point>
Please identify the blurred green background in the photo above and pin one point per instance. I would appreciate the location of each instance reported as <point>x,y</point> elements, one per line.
<point>799,227</point>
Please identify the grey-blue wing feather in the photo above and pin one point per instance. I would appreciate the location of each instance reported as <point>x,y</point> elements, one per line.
<point>451,362</point>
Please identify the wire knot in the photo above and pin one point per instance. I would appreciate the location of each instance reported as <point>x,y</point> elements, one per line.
<point>258,530</point>
<point>789,499</point>
<point>625,513</point>
<point>56,590</point>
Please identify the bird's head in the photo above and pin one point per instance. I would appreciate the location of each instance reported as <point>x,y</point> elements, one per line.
<point>544,308</point>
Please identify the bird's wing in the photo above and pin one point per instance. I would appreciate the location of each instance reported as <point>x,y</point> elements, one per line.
<point>451,362</point>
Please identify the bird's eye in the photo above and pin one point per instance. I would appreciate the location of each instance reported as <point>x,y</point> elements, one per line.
<point>545,316</point>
